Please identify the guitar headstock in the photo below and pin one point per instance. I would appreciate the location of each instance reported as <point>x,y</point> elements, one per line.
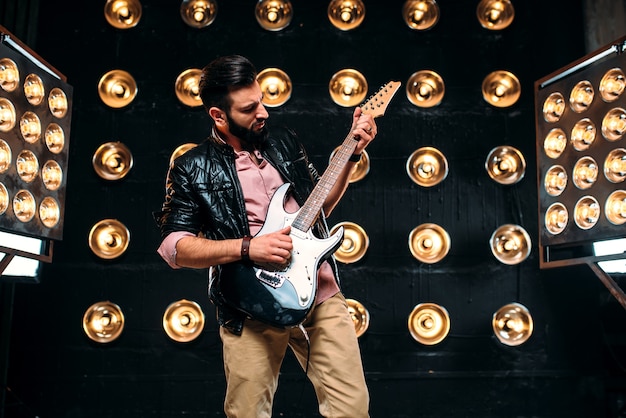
<point>377,103</point>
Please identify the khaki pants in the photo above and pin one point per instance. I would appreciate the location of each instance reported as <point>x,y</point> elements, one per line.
<point>252,363</point>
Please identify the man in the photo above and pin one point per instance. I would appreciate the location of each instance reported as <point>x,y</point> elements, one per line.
<point>217,197</point>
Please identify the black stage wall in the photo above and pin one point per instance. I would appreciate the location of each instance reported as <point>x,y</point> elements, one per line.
<point>573,364</point>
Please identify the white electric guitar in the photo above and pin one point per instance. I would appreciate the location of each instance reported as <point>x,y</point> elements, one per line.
<point>283,295</point>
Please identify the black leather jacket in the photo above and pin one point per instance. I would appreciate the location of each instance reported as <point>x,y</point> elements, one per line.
<point>204,197</point>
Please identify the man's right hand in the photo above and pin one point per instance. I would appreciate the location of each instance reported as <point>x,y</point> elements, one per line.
<point>274,247</point>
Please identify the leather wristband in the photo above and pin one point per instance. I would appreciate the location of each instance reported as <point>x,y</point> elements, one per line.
<point>355,158</point>
<point>245,248</point>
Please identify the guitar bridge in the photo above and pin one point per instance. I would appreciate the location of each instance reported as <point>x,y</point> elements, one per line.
<point>272,279</point>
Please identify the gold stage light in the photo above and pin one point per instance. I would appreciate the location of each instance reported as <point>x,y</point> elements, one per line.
<point>554,143</point>
<point>24,205</point>
<point>348,87</point>
<point>198,13</point>
<point>585,172</point>
<point>58,103</point>
<point>112,161</point>
<point>52,175</point>
<point>555,180</point>
<point>54,138</point>
<point>581,96</point>
<point>103,322</point>
<point>9,74</point>
<point>612,85</point>
<point>49,212</point>
<point>420,14</point>
<point>30,127</point>
<point>34,89</point>
<point>4,199</point>
<point>429,323</point>
<point>615,207</point>
<point>553,107</point>
<point>587,212</point>
<point>109,239</point>
<point>583,134</point>
<point>187,87</point>
<point>360,316</point>
<point>27,166</point>
<point>429,243</point>
<point>505,164</point>
<point>615,165</point>
<point>427,166</point>
<point>273,15</point>
<point>346,14</point>
<point>117,88</point>
<point>510,244</point>
<point>614,124</point>
<point>556,218</point>
<point>275,85</point>
<point>425,88</point>
<point>122,14</point>
<point>183,321</point>
<point>495,14</point>
<point>180,150</point>
<point>501,88</point>
<point>512,324</point>
<point>360,169</point>
<point>354,244</point>
<point>8,116</point>
<point>6,156</point>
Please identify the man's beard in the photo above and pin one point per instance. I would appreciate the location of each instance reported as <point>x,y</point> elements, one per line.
<point>246,135</point>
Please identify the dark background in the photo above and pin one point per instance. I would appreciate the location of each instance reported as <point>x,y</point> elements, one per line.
<point>573,364</point>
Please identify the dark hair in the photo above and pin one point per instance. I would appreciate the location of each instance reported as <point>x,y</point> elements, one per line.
<point>221,76</point>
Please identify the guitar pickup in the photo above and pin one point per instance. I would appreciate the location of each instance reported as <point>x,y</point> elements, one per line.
<point>270,278</point>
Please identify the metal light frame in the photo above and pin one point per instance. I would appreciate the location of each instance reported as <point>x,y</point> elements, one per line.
<point>29,63</point>
<point>565,239</point>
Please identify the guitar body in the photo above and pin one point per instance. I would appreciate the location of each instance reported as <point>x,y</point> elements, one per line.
<point>279,295</point>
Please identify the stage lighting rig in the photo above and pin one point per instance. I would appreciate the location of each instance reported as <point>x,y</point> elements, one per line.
<point>581,162</point>
<point>35,119</point>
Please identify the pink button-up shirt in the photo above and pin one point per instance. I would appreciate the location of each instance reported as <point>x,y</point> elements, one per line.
<point>258,183</point>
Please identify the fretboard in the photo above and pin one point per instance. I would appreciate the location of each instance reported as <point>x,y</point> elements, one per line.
<point>313,205</point>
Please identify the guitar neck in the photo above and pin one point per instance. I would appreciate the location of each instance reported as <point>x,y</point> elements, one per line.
<point>313,205</point>
<point>374,106</point>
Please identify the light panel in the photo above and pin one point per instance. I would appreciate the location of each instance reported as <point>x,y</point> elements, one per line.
<point>581,159</point>
<point>35,121</point>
